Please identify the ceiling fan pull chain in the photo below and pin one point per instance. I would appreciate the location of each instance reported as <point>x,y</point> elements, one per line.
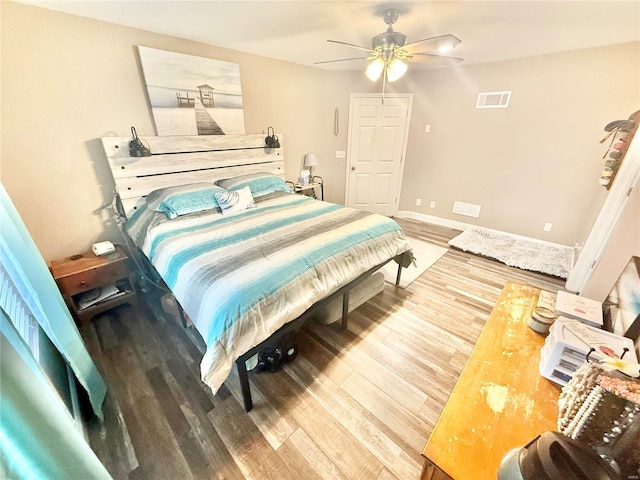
<point>384,81</point>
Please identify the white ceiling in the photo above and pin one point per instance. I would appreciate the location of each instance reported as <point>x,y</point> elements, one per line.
<point>296,31</point>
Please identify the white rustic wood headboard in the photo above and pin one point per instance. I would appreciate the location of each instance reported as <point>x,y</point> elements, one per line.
<point>177,160</point>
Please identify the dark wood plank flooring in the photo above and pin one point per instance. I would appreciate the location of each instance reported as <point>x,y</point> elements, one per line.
<point>358,404</point>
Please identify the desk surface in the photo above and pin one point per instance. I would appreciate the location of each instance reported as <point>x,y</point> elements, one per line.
<point>500,401</point>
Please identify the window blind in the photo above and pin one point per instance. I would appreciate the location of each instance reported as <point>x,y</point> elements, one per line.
<point>18,312</point>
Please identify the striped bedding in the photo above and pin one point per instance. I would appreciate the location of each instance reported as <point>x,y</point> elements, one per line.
<point>240,277</point>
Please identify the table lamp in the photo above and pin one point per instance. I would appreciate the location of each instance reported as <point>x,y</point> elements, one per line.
<point>311,160</point>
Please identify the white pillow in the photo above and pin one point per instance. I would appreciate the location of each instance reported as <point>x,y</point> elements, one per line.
<point>235,201</point>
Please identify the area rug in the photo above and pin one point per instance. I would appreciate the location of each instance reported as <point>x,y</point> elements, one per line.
<point>527,254</point>
<point>426,254</point>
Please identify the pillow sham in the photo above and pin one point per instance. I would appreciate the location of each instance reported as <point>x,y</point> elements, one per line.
<point>183,199</point>
<point>260,183</point>
<point>235,200</point>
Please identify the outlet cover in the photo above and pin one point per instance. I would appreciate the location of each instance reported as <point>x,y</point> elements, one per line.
<point>432,204</point>
<point>547,227</point>
<point>418,202</point>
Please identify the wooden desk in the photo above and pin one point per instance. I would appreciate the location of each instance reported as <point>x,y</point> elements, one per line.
<point>500,401</point>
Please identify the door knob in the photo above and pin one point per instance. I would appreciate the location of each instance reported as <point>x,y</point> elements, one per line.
<point>353,168</point>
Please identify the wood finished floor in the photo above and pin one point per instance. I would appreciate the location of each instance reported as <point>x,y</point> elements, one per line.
<point>353,405</point>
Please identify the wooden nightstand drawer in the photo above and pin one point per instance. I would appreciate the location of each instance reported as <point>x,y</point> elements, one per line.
<point>81,273</point>
<point>96,277</point>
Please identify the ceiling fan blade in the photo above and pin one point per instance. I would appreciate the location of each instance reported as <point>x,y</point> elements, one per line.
<point>435,60</point>
<point>352,45</point>
<point>430,44</point>
<point>342,60</point>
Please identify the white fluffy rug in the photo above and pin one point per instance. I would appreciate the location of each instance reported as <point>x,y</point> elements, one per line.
<point>528,254</point>
<point>426,255</point>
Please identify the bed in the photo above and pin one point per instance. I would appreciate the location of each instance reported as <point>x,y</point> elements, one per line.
<point>247,259</point>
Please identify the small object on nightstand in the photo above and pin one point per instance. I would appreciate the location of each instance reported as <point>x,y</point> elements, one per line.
<point>92,284</point>
<point>103,248</point>
<point>310,189</point>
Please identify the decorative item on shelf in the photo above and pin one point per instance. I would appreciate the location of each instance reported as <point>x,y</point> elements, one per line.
<point>271,141</point>
<point>621,133</point>
<point>311,160</point>
<point>136,147</point>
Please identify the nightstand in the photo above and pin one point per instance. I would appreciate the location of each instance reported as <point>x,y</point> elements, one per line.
<point>310,189</point>
<point>82,279</point>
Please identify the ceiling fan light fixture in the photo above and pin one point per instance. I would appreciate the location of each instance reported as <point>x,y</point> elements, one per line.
<point>390,53</point>
<point>396,69</point>
<point>446,48</point>
<point>374,70</point>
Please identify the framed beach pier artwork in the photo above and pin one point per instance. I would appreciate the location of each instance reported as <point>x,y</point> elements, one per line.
<point>192,95</point>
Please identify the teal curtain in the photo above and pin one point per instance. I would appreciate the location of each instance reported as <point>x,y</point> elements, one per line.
<point>37,287</point>
<point>38,436</point>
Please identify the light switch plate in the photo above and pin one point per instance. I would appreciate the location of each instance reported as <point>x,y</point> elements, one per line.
<point>341,154</point>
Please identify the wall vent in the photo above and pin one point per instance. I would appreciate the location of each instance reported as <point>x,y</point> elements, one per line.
<point>493,100</point>
<point>468,209</point>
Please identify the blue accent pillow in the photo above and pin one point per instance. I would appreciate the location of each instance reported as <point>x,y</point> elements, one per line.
<point>183,199</point>
<point>260,183</point>
<point>235,201</point>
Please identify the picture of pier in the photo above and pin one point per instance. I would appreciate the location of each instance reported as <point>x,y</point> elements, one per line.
<point>192,95</point>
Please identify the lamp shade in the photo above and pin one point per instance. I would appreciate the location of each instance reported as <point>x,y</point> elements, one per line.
<point>396,69</point>
<point>311,160</point>
<point>374,70</point>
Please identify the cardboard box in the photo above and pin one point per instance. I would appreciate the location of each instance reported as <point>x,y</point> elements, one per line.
<point>362,293</point>
<point>582,309</point>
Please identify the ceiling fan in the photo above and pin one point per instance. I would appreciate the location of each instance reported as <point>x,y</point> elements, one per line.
<point>390,52</point>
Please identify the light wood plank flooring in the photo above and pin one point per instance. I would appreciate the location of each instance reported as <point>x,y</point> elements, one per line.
<point>358,404</point>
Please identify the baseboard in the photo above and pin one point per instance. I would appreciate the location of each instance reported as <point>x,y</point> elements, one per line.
<point>445,222</point>
<point>442,222</point>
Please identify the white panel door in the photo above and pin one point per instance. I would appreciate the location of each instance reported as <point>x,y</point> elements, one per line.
<point>377,143</point>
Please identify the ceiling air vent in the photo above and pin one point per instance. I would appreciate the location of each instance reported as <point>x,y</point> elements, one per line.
<point>493,100</point>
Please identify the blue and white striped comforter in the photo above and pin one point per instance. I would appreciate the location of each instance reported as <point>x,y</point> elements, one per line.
<point>241,277</point>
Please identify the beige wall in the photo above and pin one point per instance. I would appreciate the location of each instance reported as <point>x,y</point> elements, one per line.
<point>67,81</point>
<point>535,162</point>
